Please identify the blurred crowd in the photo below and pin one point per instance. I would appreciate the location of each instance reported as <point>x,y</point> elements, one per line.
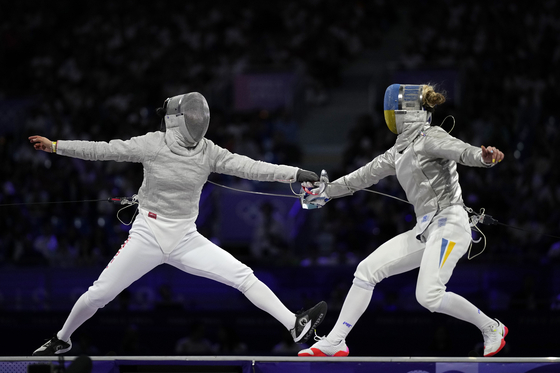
<point>98,72</point>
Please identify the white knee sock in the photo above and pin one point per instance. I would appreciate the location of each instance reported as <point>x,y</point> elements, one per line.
<point>460,308</point>
<point>261,296</point>
<point>79,314</point>
<point>354,306</point>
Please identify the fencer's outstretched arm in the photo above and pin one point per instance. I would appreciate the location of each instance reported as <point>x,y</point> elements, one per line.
<point>244,167</point>
<point>380,167</point>
<point>440,144</point>
<point>133,150</point>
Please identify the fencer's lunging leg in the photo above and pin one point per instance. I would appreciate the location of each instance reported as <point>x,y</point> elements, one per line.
<point>261,296</point>
<point>80,313</point>
<point>354,306</point>
<point>457,306</point>
<point>197,255</point>
<point>449,238</point>
<point>137,256</point>
<point>400,254</point>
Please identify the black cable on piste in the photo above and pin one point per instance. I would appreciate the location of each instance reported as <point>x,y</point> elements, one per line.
<point>51,202</point>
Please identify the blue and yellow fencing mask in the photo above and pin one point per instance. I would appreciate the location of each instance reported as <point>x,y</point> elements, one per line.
<point>400,100</point>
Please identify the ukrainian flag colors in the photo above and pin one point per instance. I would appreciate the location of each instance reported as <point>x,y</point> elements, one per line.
<point>446,248</point>
<point>390,104</point>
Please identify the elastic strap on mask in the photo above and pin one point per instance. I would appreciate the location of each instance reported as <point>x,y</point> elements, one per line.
<point>161,111</point>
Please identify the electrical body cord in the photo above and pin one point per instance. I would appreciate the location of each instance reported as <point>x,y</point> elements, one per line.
<point>474,218</point>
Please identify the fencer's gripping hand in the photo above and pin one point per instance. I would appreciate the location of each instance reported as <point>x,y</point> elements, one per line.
<point>41,143</point>
<point>316,197</point>
<point>491,155</point>
<point>303,176</point>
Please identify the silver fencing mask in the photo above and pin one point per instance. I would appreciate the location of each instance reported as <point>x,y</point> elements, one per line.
<point>190,114</point>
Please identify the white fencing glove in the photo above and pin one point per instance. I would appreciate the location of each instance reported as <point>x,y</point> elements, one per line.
<point>314,196</point>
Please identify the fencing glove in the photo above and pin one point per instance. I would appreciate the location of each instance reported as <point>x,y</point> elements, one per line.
<point>317,196</point>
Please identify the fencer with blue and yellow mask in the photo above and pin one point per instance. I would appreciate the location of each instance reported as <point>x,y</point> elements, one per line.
<point>403,103</point>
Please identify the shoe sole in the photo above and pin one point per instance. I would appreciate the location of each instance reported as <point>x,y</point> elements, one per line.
<point>506,331</point>
<point>319,353</point>
<point>57,352</point>
<point>318,321</point>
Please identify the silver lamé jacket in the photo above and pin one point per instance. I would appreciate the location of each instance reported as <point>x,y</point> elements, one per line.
<point>174,174</point>
<point>424,159</point>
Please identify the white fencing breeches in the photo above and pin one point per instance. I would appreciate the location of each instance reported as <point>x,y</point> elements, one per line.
<point>140,253</point>
<point>447,240</point>
<point>194,254</point>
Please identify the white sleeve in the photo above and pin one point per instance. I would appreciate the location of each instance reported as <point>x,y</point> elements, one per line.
<point>133,150</point>
<point>440,144</point>
<point>225,162</point>
<point>380,167</point>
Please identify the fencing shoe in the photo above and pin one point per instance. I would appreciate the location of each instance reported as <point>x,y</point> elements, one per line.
<point>53,346</point>
<point>325,348</point>
<point>494,338</point>
<point>307,321</point>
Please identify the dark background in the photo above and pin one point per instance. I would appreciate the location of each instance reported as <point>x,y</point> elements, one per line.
<point>98,71</point>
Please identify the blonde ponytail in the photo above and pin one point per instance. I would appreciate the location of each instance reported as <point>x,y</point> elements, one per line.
<point>431,98</point>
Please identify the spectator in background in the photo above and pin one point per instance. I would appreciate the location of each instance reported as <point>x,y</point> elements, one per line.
<point>131,343</point>
<point>84,346</point>
<point>167,301</point>
<point>286,347</point>
<point>529,297</point>
<point>270,239</point>
<point>228,342</point>
<point>196,342</point>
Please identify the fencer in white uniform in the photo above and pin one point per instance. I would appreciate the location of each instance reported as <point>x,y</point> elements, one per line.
<point>424,160</point>
<point>176,165</point>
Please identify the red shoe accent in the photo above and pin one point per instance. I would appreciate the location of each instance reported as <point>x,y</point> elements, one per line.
<point>317,352</point>
<point>342,353</point>
<point>505,331</point>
